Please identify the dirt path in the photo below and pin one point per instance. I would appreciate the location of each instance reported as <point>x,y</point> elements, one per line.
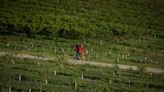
<point>120,66</point>
<point>82,62</point>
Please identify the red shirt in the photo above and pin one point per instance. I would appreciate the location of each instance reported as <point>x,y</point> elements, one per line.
<point>81,50</point>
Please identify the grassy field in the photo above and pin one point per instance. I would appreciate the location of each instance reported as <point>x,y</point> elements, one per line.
<point>59,76</point>
<point>112,31</point>
<point>120,27</point>
<point>107,52</point>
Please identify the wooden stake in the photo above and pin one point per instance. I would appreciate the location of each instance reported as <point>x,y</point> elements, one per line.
<point>25,47</point>
<point>126,56</point>
<point>154,36</point>
<point>86,52</point>
<point>19,77</point>
<point>46,81</point>
<point>38,64</point>
<point>43,49</point>
<point>110,81</point>
<point>123,56</point>
<point>61,66</point>
<point>82,77</point>
<point>145,58</point>
<point>40,89</point>
<point>13,62</point>
<point>75,86</point>
<point>157,62</point>
<point>9,89</point>
<point>62,50</point>
<point>110,52</point>
<point>29,90</point>
<point>91,49</point>
<point>21,57</point>
<point>68,49</point>
<point>129,82</point>
<point>54,73</point>
<point>55,51</point>
<point>8,44</point>
<point>105,54</point>
<point>101,42</point>
<point>89,55</point>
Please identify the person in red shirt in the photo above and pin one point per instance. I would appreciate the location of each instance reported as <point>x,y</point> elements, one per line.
<point>79,49</point>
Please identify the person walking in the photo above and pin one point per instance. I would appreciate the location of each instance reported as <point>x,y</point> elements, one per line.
<point>77,54</point>
<point>81,51</point>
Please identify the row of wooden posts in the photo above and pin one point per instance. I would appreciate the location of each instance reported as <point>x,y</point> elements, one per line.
<point>46,82</point>
<point>55,73</point>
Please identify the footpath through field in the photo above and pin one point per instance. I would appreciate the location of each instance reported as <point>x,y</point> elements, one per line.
<point>83,62</point>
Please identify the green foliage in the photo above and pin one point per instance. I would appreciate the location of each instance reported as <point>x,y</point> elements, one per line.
<point>122,26</point>
<point>83,19</point>
<point>68,77</point>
